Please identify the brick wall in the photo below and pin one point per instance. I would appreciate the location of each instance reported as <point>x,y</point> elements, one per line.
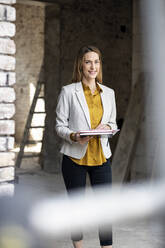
<point>7,93</point>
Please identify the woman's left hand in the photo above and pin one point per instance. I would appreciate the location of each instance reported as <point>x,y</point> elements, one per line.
<point>82,140</point>
<point>103,126</point>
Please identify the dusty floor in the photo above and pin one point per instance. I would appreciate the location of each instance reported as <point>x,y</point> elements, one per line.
<point>145,233</point>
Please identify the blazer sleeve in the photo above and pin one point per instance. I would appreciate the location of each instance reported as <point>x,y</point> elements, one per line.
<point>62,116</point>
<point>112,121</point>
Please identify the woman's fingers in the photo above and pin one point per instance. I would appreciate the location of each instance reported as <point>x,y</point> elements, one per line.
<point>103,126</point>
<point>82,140</point>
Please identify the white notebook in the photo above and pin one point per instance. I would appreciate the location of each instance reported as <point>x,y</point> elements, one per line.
<point>98,132</point>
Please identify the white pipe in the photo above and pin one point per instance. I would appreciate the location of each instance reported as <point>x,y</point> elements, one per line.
<point>57,216</point>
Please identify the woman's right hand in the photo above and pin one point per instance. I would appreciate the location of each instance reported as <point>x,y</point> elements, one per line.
<point>81,140</point>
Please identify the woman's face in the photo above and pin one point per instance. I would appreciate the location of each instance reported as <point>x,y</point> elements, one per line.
<point>91,65</point>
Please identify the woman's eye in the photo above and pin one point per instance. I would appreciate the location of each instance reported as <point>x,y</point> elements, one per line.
<point>88,62</point>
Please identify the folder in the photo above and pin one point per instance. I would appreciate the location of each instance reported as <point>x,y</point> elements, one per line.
<point>99,132</point>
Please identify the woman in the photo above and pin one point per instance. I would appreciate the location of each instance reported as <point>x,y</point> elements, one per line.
<point>82,105</point>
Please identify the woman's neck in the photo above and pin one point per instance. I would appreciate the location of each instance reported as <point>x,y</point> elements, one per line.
<point>90,83</point>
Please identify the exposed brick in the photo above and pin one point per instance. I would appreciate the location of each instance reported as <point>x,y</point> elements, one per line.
<point>6,143</point>
<point>7,159</point>
<point>7,29</point>
<point>8,1</point>
<point>7,174</point>
<point>11,14</point>
<point>7,127</point>
<point>7,110</point>
<point>7,78</point>
<point>2,13</point>
<point>7,94</point>
<point>7,62</point>
<point>7,46</point>
<point>11,78</point>
<point>7,13</point>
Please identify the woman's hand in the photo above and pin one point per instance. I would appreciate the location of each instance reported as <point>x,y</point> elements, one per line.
<point>103,126</point>
<point>81,140</point>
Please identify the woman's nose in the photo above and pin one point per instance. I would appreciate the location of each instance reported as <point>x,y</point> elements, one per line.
<point>92,66</point>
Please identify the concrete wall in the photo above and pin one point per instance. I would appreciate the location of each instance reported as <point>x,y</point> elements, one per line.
<point>7,93</point>
<point>50,150</point>
<point>30,51</point>
<point>108,25</point>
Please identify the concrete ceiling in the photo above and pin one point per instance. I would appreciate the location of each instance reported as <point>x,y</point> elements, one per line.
<point>61,2</point>
<point>56,1</point>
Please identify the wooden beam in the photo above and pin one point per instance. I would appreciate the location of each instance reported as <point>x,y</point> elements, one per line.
<point>127,139</point>
<point>34,3</point>
<point>44,2</point>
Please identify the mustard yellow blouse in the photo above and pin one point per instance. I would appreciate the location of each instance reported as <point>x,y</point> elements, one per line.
<point>94,154</point>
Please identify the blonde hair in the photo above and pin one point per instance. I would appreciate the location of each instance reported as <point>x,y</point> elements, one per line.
<point>77,71</point>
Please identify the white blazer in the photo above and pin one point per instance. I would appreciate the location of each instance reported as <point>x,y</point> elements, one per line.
<point>72,115</point>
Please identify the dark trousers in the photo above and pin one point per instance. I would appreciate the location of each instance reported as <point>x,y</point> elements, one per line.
<point>75,178</point>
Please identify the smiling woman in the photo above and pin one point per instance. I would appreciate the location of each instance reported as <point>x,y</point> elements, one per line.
<point>83,105</point>
<point>84,56</point>
<point>91,68</point>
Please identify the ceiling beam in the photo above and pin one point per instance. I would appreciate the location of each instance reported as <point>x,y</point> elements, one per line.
<point>60,2</point>
<point>32,2</point>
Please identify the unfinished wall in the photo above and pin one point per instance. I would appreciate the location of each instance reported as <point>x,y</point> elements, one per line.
<point>30,51</point>
<point>7,93</point>
<point>108,25</point>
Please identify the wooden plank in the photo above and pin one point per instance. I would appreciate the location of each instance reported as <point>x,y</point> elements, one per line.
<point>37,127</point>
<point>128,134</point>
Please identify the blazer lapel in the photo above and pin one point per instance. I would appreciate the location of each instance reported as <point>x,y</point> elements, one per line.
<point>82,101</point>
<point>104,104</point>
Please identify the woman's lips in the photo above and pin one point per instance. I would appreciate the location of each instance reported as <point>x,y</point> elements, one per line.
<point>92,72</point>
